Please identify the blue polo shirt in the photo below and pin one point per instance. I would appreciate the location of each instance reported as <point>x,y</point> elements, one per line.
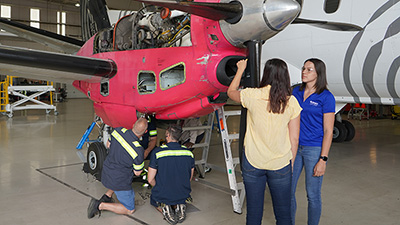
<point>174,164</point>
<point>125,155</point>
<point>312,115</point>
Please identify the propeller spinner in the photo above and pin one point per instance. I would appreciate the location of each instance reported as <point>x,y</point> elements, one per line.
<point>260,20</point>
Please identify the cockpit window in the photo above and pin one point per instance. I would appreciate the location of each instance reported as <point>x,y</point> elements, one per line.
<point>300,2</point>
<point>173,76</point>
<point>146,82</point>
<point>331,6</point>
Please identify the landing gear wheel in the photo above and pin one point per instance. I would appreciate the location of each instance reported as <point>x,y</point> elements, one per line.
<point>339,132</point>
<point>96,155</point>
<point>56,113</point>
<point>10,115</point>
<point>351,131</point>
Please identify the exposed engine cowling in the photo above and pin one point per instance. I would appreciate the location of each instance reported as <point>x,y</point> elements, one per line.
<point>150,27</point>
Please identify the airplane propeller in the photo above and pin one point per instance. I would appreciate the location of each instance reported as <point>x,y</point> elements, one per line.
<point>251,79</point>
<point>328,25</point>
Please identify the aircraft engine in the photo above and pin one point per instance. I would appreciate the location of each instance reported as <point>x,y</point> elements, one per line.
<point>265,17</point>
<point>147,28</point>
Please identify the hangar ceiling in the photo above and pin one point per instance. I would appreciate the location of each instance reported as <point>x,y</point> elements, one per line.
<point>112,4</point>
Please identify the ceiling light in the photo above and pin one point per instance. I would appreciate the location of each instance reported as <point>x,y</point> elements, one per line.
<point>77,5</point>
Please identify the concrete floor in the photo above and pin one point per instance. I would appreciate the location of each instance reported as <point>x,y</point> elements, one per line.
<point>41,178</point>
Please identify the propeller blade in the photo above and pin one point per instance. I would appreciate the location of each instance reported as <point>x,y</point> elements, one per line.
<point>213,11</point>
<point>94,17</point>
<point>328,25</point>
<point>251,79</point>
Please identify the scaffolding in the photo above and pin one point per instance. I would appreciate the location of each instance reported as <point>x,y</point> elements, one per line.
<point>26,93</point>
<point>4,95</point>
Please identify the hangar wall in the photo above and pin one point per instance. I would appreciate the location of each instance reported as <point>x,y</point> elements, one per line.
<point>20,12</point>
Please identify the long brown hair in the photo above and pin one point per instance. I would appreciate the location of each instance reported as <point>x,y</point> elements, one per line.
<point>276,74</point>
<point>320,69</point>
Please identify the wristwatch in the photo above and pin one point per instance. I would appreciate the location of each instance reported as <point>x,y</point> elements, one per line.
<point>325,158</point>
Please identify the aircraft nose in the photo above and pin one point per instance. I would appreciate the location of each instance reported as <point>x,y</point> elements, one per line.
<point>280,13</point>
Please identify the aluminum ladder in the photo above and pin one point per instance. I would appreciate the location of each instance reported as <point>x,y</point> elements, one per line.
<point>201,164</point>
<point>237,189</point>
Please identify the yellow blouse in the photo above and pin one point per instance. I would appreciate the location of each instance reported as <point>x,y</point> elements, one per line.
<point>267,143</point>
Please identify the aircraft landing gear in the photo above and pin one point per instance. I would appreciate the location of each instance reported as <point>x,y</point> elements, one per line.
<point>96,155</point>
<point>96,151</point>
<point>339,132</point>
<point>351,131</point>
<point>343,130</point>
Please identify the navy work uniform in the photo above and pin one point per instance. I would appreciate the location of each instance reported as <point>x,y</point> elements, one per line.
<point>125,155</point>
<point>151,132</point>
<point>174,163</point>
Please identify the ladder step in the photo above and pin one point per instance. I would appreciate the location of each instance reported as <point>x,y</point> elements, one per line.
<point>197,128</point>
<point>200,145</point>
<point>236,161</point>
<point>233,136</point>
<point>232,113</point>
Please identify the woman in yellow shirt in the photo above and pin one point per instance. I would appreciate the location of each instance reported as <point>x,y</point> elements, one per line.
<point>272,134</point>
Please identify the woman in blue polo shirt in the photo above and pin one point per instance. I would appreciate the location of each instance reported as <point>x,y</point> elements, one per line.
<point>316,130</point>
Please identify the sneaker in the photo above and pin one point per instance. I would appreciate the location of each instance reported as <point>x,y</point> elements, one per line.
<point>180,213</point>
<point>189,199</point>
<point>106,199</point>
<point>168,213</point>
<point>93,208</point>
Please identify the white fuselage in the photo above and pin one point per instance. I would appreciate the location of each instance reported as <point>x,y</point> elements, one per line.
<point>362,66</point>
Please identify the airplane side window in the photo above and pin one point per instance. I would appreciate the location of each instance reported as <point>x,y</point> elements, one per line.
<point>331,6</point>
<point>146,82</point>
<point>104,88</point>
<point>172,76</point>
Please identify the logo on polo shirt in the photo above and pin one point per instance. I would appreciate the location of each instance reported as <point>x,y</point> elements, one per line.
<point>313,103</point>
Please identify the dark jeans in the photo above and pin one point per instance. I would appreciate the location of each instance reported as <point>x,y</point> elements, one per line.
<point>279,184</point>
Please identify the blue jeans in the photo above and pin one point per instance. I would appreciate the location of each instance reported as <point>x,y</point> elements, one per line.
<point>279,183</point>
<point>308,157</point>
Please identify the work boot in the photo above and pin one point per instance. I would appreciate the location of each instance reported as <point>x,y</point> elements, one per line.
<point>168,213</point>
<point>93,208</point>
<point>180,213</point>
<point>106,199</point>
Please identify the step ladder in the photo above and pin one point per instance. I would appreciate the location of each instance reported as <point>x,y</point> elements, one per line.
<point>201,164</point>
<point>237,189</point>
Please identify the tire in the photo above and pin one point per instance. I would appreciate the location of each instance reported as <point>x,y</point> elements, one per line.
<point>351,131</point>
<point>339,132</point>
<point>96,155</point>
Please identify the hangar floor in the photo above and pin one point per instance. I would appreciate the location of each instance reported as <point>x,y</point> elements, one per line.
<point>42,182</point>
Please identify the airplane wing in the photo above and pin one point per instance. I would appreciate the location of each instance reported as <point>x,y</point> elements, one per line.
<point>54,66</point>
<point>47,38</point>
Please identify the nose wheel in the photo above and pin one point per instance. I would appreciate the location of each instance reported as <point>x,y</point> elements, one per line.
<point>96,155</point>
